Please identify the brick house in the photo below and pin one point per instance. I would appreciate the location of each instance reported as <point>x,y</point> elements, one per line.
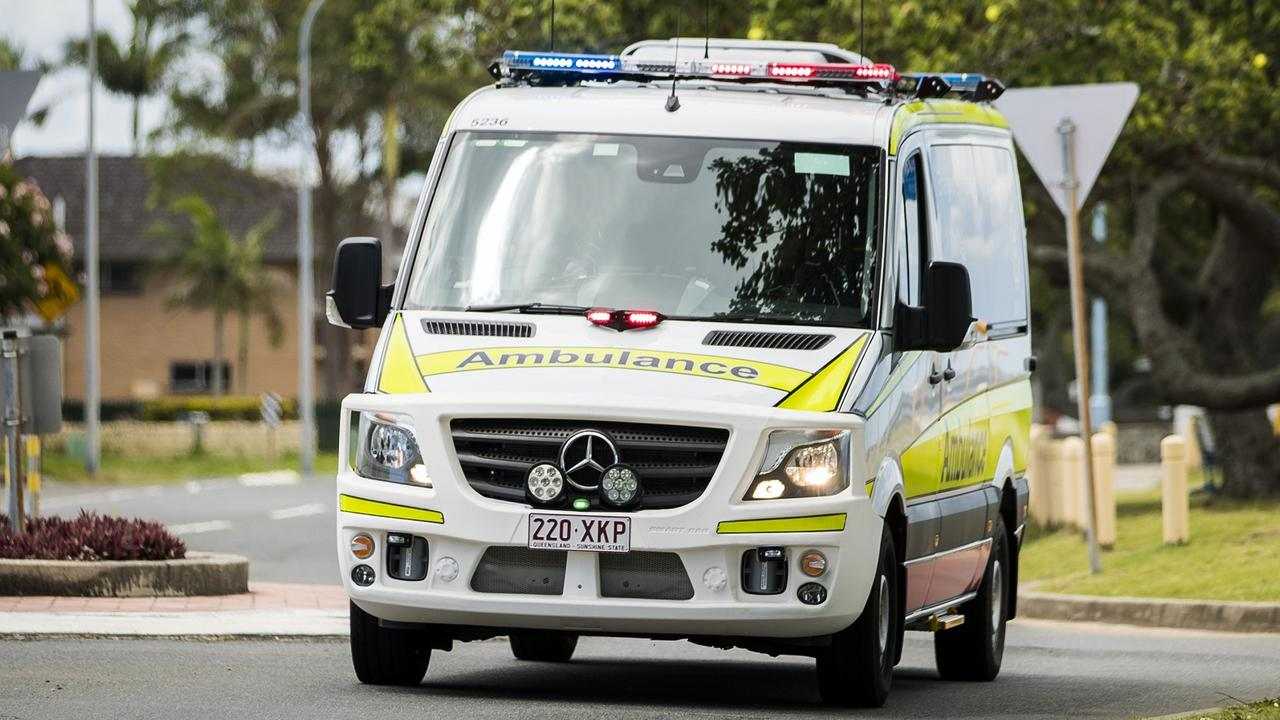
<point>148,348</point>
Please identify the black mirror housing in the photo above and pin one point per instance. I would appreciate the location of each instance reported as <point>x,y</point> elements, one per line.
<point>942,324</point>
<point>358,298</point>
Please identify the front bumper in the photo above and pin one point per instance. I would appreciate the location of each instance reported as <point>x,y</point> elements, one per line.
<point>471,523</point>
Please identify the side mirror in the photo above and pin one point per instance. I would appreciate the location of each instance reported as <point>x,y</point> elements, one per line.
<point>942,324</point>
<point>358,299</point>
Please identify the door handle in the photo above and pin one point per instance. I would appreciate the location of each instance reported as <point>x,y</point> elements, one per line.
<point>948,374</point>
<point>935,377</point>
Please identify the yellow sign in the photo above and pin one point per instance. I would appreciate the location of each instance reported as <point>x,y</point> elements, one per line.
<point>778,377</point>
<point>61,296</point>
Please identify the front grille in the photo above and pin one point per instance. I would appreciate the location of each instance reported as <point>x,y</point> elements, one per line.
<point>768,340</point>
<point>486,328</point>
<point>644,575</point>
<point>675,463</point>
<point>518,570</point>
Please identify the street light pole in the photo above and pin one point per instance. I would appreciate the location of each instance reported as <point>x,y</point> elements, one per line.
<point>92,390</point>
<point>1067,130</point>
<point>306,250</point>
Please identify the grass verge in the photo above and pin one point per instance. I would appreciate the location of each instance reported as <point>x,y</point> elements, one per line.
<point>1233,554</point>
<point>120,469</point>
<point>1260,710</point>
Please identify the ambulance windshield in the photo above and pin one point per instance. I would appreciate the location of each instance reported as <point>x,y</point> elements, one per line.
<point>690,227</point>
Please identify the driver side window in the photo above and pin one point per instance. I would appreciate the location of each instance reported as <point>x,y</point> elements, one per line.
<point>914,238</point>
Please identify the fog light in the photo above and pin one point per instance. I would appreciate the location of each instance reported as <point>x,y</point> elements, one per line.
<point>620,486</point>
<point>362,575</point>
<point>813,563</point>
<point>545,483</point>
<point>447,569</point>
<point>715,579</point>
<point>812,594</point>
<point>362,546</point>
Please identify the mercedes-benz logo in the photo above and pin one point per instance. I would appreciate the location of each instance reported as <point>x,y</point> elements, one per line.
<point>584,457</point>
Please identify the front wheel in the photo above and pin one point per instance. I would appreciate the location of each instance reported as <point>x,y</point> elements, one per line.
<point>543,645</point>
<point>383,656</point>
<point>857,669</point>
<point>974,650</point>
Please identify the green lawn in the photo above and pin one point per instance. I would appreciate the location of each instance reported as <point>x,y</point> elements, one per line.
<point>1260,710</point>
<point>1234,554</point>
<point>59,466</point>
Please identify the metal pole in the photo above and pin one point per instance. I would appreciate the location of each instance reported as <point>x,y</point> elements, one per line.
<point>306,261</point>
<point>1067,130</point>
<point>92,391</point>
<point>1100,400</point>
<point>9,383</point>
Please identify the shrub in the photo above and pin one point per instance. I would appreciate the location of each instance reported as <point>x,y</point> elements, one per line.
<point>227,407</point>
<point>90,537</point>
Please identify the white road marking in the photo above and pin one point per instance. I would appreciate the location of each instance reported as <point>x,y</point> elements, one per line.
<point>297,511</point>
<point>194,487</point>
<point>199,527</point>
<point>272,478</point>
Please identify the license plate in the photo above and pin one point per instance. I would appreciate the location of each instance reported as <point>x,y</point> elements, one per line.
<point>593,533</point>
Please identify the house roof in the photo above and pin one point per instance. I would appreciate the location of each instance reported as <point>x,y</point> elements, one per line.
<point>131,227</point>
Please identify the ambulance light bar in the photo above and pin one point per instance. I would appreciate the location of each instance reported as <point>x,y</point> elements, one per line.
<point>969,86</point>
<point>562,67</point>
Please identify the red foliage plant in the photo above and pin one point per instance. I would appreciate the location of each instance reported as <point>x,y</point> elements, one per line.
<point>90,537</point>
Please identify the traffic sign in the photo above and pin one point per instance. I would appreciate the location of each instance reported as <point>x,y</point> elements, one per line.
<point>1039,116</point>
<point>16,87</point>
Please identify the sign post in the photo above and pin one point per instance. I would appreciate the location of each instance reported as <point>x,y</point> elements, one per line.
<point>1066,134</point>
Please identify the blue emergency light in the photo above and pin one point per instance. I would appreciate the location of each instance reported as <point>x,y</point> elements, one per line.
<point>562,62</point>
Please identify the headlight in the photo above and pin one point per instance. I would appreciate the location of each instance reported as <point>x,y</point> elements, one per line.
<point>802,463</point>
<point>388,450</point>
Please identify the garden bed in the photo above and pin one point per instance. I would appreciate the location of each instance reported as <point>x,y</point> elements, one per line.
<point>95,555</point>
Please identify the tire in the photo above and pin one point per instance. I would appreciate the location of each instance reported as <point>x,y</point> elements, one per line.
<point>857,669</point>
<point>383,656</point>
<point>973,651</point>
<point>543,646</point>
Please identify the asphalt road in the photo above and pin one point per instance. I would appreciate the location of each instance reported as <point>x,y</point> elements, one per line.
<point>283,524</point>
<point>1050,671</point>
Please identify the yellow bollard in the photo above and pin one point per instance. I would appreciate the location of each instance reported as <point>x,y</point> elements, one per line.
<point>1173,500</point>
<point>1072,474</point>
<point>1038,468</point>
<point>1104,487</point>
<point>33,475</point>
<point>1052,482</point>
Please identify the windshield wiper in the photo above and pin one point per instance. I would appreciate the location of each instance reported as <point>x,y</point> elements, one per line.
<point>764,318</point>
<point>534,308</point>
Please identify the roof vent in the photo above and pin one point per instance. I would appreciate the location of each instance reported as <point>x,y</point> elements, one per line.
<point>767,340</point>
<point>487,328</point>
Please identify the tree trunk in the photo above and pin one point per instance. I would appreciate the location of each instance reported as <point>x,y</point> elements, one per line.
<point>242,355</point>
<point>390,172</point>
<point>137,100</point>
<point>335,365</point>
<point>219,319</point>
<point>1248,452</point>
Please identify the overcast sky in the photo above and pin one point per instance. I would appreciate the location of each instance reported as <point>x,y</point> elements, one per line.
<point>41,29</point>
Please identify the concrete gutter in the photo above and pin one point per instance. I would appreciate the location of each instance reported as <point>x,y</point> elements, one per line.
<point>199,573</point>
<point>1221,616</point>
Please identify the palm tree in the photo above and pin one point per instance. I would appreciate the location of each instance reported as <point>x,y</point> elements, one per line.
<point>214,271</point>
<point>138,69</point>
<point>258,296</point>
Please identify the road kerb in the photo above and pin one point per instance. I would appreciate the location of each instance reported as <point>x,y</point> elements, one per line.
<point>1220,616</point>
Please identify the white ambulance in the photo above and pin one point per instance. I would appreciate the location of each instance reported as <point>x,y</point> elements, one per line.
<point>724,343</point>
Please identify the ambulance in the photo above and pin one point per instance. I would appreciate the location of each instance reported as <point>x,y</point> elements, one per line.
<point>709,340</point>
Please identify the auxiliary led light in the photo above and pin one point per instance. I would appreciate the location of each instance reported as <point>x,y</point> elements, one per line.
<point>545,482</point>
<point>620,485</point>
